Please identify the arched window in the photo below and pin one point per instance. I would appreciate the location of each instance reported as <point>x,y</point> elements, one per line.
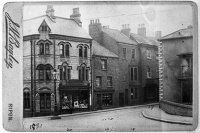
<point>67,50</point>
<point>80,51</point>
<point>85,51</point>
<point>41,73</point>
<point>65,71</point>
<point>41,48</point>
<point>47,48</point>
<point>48,73</point>
<point>83,72</point>
<point>27,99</point>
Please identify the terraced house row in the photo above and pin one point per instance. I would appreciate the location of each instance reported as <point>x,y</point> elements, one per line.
<point>67,67</point>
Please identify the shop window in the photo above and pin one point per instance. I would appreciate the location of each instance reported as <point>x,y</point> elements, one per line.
<point>149,54</point>
<point>106,99</point>
<point>134,74</point>
<point>124,53</point>
<point>45,101</point>
<point>80,51</point>
<point>103,64</point>
<point>98,81</point>
<point>149,74</point>
<point>109,81</point>
<point>48,73</point>
<point>85,52</point>
<point>61,49</point>
<point>133,53</point>
<point>26,100</point>
<point>41,48</point>
<point>47,48</point>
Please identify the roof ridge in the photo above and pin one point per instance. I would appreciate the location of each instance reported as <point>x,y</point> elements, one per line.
<point>34,18</point>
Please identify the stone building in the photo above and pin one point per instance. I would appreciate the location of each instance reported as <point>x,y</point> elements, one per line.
<point>148,47</point>
<point>52,43</point>
<point>133,62</point>
<point>177,66</point>
<point>105,77</point>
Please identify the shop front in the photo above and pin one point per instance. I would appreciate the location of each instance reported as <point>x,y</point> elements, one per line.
<point>74,97</point>
<point>103,99</point>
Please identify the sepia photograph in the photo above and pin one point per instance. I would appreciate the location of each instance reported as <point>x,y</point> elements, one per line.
<point>107,66</point>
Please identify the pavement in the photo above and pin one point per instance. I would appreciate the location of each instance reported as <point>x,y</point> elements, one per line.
<point>158,114</point>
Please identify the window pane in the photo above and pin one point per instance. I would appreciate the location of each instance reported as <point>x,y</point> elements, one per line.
<point>80,51</point>
<point>48,73</point>
<point>132,74</point>
<point>47,48</point>
<point>85,51</point>
<point>98,81</point>
<point>103,64</point>
<point>109,81</point>
<point>79,74</point>
<point>41,48</point>
<point>133,53</point>
<point>64,72</point>
<point>87,75</point>
<point>135,74</point>
<point>68,73</point>
<point>124,53</point>
<point>61,49</point>
<point>83,73</point>
<point>67,50</point>
<point>61,73</point>
<point>41,74</point>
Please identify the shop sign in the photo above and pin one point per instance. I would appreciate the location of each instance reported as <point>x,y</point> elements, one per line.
<point>37,102</point>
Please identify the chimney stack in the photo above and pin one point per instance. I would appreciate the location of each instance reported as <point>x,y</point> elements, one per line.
<point>158,34</point>
<point>76,16</point>
<point>50,12</point>
<point>95,29</point>
<point>142,30</point>
<point>126,30</point>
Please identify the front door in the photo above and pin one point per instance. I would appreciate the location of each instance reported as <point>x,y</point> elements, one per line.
<point>126,97</point>
<point>121,99</point>
<point>98,101</point>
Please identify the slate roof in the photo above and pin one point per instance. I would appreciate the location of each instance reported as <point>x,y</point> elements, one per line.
<point>61,26</point>
<point>118,36</point>
<point>144,40</point>
<point>188,32</point>
<point>100,50</point>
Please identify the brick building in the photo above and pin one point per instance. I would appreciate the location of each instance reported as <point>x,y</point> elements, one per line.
<point>177,66</point>
<point>105,77</point>
<point>51,42</point>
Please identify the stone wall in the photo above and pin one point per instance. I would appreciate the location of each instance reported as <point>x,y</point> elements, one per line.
<point>176,108</point>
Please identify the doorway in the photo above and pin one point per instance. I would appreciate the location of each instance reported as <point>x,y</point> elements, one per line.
<point>121,99</point>
<point>126,97</point>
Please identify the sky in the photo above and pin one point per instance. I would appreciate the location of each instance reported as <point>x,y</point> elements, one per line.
<point>165,17</point>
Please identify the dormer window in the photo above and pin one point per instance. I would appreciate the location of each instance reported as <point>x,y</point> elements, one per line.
<point>44,28</point>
